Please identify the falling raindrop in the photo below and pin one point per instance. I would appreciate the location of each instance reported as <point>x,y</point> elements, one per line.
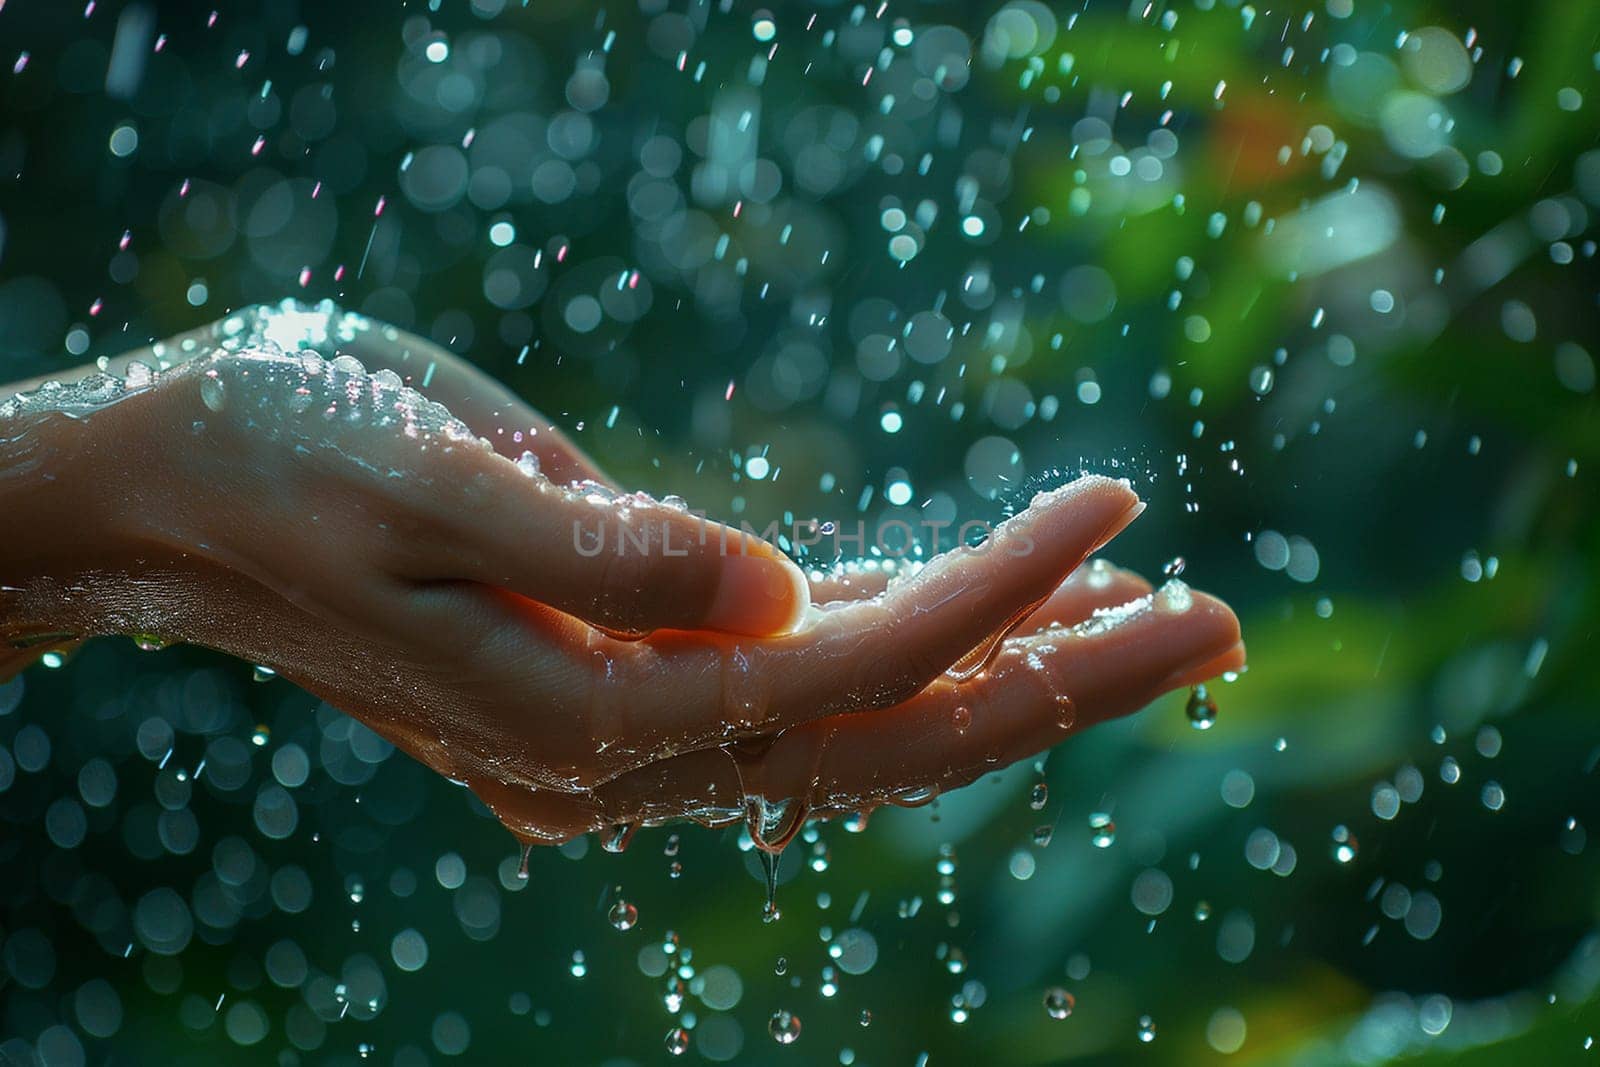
<point>1058,1003</point>
<point>784,1026</point>
<point>623,915</point>
<point>1345,845</point>
<point>1201,708</point>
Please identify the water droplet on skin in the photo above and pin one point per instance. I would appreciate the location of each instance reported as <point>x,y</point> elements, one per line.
<point>773,825</point>
<point>212,392</point>
<point>1066,712</point>
<point>784,1026</point>
<point>1201,709</point>
<point>914,798</point>
<point>140,375</point>
<point>1175,596</point>
<point>345,363</point>
<point>677,1041</point>
<point>150,642</point>
<point>1058,1003</point>
<point>976,661</point>
<point>261,673</point>
<point>961,718</point>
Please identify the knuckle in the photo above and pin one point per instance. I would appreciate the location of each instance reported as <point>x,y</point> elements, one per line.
<point>623,577</point>
<point>880,681</point>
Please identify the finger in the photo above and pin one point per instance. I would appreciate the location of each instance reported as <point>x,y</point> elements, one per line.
<point>1096,584</point>
<point>875,653</point>
<point>625,563</point>
<point>1040,689</point>
<point>952,733</point>
<point>539,816</point>
<point>923,625</point>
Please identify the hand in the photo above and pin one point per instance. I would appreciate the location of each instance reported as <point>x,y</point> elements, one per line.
<point>360,541</point>
<point>489,409</point>
<point>1103,644</point>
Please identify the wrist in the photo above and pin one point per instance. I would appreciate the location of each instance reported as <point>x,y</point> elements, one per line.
<point>66,485</point>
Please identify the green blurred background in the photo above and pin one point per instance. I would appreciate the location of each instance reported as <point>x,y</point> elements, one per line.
<point>1320,279</point>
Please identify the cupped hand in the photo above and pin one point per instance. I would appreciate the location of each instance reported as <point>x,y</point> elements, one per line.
<point>338,527</point>
<point>1102,645</point>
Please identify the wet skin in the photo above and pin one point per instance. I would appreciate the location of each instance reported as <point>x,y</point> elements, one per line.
<point>324,521</point>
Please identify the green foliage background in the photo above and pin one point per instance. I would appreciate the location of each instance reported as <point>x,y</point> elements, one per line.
<point>1444,443</point>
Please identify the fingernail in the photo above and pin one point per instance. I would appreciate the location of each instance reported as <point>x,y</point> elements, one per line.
<point>1122,522</point>
<point>758,595</point>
